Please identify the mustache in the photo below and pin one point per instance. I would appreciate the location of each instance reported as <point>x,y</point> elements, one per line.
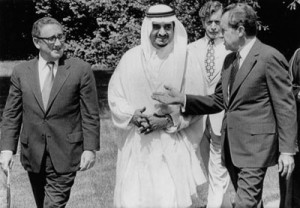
<point>57,48</point>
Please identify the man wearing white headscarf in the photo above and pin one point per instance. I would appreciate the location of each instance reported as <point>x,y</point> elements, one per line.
<point>157,165</point>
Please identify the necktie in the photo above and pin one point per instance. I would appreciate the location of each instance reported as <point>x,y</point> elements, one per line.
<point>234,70</point>
<point>48,83</point>
<point>210,60</point>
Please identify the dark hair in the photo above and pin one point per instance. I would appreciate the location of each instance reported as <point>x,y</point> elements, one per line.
<point>37,25</point>
<point>242,14</point>
<point>209,8</point>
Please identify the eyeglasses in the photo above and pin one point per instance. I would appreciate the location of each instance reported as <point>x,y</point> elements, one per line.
<point>52,39</point>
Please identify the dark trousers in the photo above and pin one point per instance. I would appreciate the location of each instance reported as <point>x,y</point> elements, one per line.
<point>51,189</point>
<point>205,144</point>
<point>290,189</point>
<point>247,182</point>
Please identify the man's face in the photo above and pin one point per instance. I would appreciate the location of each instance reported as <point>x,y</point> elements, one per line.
<point>51,42</point>
<point>231,35</point>
<point>212,25</point>
<point>162,34</point>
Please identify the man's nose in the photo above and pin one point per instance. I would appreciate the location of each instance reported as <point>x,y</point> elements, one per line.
<point>162,31</point>
<point>57,42</point>
<point>213,26</point>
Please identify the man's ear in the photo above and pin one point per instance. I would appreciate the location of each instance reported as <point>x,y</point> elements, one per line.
<point>241,31</point>
<point>36,42</point>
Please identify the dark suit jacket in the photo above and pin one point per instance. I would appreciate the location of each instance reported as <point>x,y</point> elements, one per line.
<point>260,115</point>
<point>69,125</point>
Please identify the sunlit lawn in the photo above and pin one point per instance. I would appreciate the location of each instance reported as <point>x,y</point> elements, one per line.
<point>94,188</point>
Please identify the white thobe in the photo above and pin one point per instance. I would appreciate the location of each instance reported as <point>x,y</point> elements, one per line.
<point>159,169</point>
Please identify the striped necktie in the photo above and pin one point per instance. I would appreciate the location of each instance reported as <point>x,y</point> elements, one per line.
<point>48,83</point>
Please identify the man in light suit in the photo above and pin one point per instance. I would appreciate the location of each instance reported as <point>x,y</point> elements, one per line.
<point>210,53</point>
<point>52,107</point>
<point>259,126</point>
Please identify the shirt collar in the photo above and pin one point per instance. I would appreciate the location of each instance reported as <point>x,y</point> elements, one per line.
<point>216,40</point>
<point>42,62</point>
<point>246,48</point>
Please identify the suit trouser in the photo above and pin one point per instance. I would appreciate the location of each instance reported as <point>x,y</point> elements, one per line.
<point>51,189</point>
<point>290,189</point>
<point>218,177</point>
<point>247,182</point>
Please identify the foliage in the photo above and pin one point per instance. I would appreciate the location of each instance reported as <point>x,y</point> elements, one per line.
<point>101,31</point>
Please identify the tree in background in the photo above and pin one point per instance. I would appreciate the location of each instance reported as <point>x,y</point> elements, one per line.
<point>101,31</point>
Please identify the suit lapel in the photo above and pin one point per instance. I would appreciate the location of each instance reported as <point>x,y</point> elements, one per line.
<point>60,78</point>
<point>34,81</point>
<point>246,67</point>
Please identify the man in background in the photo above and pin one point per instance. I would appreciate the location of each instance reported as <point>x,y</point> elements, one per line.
<point>210,53</point>
<point>52,107</point>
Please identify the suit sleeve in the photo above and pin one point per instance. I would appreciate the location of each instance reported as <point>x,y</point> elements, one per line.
<point>283,102</point>
<point>89,111</point>
<point>209,104</point>
<point>12,116</point>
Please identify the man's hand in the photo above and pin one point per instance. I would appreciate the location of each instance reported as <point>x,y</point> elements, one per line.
<point>171,97</point>
<point>88,159</point>
<point>157,122</point>
<point>6,160</point>
<point>138,118</point>
<point>286,165</point>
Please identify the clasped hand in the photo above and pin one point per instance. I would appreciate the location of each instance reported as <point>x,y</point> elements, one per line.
<point>149,123</point>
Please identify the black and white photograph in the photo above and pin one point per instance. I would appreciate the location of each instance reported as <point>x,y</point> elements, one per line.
<point>149,103</point>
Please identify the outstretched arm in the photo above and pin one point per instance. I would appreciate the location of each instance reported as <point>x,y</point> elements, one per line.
<point>192,104</point>
<point>172,96</point>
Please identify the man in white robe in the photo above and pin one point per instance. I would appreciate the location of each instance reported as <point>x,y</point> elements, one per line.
<point>157,164</point>
<point>210,53</point>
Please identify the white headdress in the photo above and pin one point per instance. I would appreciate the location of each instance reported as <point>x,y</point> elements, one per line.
<point>164,13</point>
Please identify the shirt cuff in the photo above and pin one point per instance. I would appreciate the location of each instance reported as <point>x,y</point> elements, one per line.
<point>6,151</point>
<point>287,153</point>
<point>184,105</point>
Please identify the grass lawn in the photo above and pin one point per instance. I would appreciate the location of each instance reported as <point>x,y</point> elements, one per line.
<point>94,188</point>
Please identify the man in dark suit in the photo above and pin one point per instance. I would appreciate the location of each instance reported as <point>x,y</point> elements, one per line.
<point>52,107</point>
<point>259,126</point>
